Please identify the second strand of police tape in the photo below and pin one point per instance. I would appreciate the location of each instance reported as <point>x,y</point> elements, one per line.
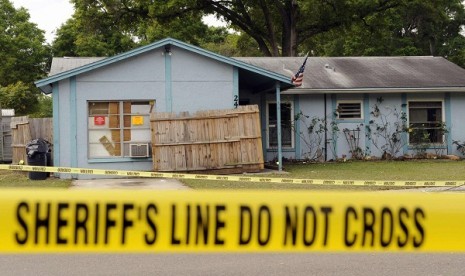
<point>234,178</point>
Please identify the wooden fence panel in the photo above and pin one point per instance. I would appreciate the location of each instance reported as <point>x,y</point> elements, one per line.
<point>25,129</point>
<point>221,140</point>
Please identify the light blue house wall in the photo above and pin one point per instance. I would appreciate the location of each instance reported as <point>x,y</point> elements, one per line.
<point>200,83</point>
<point>457,118</point>
<point>313,106</point>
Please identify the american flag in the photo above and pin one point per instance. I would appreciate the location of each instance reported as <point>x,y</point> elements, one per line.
<point>298,78</point>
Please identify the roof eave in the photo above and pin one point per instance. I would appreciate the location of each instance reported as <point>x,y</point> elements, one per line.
<point>167,41</point>
<point>372,90</point>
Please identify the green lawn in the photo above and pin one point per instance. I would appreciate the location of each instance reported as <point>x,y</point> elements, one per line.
<point>352,170</point>
<point>20,179</point>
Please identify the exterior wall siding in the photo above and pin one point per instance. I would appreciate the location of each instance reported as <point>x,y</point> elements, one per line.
<point>456,126</point>
<point>312,106</point>
<point>199,82</point>
<point>390,105</point>
<point>64,121</point>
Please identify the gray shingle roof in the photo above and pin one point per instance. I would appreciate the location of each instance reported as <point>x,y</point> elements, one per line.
<point>368,72</point>
<point>333,73</point>
<point>62,64</point>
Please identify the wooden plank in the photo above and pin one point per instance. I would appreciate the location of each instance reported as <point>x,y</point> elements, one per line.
<point>21,135</point>
<point>201,118</point>
<point>18,120</point>
<point>207,140</point>
<point>108,145</point>
<point>198,142</point>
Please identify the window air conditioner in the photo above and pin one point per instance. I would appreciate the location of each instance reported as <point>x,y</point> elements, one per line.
<point>139,150</point>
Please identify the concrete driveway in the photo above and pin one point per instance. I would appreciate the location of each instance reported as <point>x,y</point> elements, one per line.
<point>130,183</point>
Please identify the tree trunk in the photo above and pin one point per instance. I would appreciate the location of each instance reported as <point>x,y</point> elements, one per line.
<point>432,49</point>
<point>289,14</point>
<point>270,28</point>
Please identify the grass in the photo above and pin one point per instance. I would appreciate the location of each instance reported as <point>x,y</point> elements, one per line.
<point>15,179</point>
<point>352,170</point>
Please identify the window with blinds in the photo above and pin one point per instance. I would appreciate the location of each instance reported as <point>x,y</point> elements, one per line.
<point>425,122</point>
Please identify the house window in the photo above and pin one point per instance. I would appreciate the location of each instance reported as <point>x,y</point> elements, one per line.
<point>114,125</point>
<point>425,122</point>
<point>349,110</point>
<point>287,121</point>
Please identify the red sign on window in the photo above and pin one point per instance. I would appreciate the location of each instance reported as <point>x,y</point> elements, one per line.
<point>99,120</point>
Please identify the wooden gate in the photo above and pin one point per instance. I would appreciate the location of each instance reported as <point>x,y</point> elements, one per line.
<point>226,141</point>
<point>25,129</point>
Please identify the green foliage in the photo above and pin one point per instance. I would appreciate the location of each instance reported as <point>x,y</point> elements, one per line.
<point>275,27</point>
<point>19,97</point>
<point>24,57</point>
<point>270,27</point>
<point>16,179</point>
<point>422,142</point>
<point>106,28</point>
<point>230,44</point>
<point>420,139</point>
<point>460,146</point>
<point>77,38</point>
<point>23,52</point>
<point>45,107</point>
<point>417,27</point>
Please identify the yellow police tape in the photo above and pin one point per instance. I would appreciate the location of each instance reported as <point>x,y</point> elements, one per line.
<point>236,178</point>
<point>233,221</point>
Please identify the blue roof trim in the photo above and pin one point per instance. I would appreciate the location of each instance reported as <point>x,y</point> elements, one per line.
<point>167,41</point>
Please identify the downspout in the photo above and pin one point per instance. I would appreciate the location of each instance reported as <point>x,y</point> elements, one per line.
<point>326,128</point>
<point>278,125</point>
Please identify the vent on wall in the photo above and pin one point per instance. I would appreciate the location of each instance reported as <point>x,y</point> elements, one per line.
<point>139,150</point>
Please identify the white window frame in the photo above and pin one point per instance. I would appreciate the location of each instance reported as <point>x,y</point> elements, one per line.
<point>268,124</point>
<point>121,127</point>
<point>350,102</point>
<point>443,115</point>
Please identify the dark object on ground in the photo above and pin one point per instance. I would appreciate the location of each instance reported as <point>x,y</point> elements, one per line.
<point>36,151</point>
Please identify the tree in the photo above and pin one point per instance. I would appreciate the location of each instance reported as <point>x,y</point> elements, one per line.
<point>277,27</point>
<point>412,28</point>
<point>101,38</point>
<point>44,107</point>
<point>106,28</point>
<point>19,97</point>
<point>24,57</point>
<point>23,52</point>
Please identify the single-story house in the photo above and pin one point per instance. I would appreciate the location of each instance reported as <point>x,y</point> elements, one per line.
<point>339,110</point>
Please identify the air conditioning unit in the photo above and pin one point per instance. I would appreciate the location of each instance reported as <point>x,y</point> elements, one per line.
<point>139,150</point>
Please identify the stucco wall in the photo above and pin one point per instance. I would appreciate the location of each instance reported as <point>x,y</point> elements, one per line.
<point>63,133</point>
<point>457,129</point>
<point>391,107</point>
<point>200,83</point>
